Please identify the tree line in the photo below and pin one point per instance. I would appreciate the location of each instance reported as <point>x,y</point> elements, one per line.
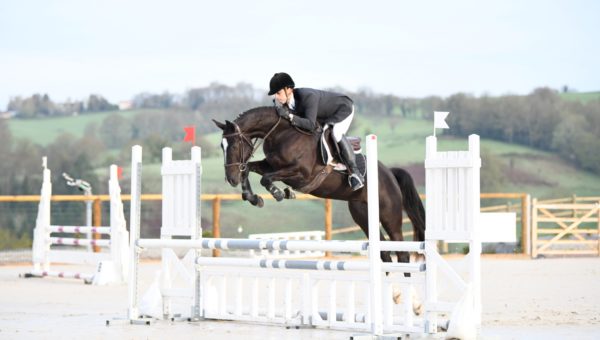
<point>541,119</point>
<point>40,105</point>
<point>223,101</point>
<point>21,174</point>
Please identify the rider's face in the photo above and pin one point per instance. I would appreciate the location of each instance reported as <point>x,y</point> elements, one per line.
<point>282,95</point>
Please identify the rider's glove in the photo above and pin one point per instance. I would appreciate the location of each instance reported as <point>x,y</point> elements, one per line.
<point>283,112</point>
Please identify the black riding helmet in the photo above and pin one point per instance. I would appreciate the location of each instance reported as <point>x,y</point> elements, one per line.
<point>279,81</point>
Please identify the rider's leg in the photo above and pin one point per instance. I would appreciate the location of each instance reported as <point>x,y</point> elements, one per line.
<point>356,179</point>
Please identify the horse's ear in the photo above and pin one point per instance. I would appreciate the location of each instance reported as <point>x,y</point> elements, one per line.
<point>233,126</point>
<point>230,125</point>
<point>219,124</point>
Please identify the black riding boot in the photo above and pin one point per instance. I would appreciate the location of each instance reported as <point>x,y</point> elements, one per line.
<point>355,179</point>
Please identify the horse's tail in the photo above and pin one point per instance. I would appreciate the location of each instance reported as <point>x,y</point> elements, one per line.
<point>411,202</point>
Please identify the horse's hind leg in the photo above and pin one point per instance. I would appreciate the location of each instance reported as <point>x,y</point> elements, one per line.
<point>403,256</point>
<point>392,224</point>
<point>358,210</point>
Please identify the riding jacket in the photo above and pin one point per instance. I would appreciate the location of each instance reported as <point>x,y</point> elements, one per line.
<point>315,105</point>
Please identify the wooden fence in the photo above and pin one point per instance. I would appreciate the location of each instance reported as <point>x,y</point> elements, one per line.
<point>560,228</point>
<point>520,206</point>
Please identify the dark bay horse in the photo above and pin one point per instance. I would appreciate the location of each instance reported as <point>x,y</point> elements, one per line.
<point>291,156</point>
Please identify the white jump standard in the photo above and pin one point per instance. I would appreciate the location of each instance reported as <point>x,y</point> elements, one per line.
<point>110,265</point>
<point>346,295</point>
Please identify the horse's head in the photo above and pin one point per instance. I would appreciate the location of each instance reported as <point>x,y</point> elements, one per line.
<point>237,150</point>
<point>237,145</point>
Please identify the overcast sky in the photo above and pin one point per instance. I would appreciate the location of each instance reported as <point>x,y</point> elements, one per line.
<point>70,49</point>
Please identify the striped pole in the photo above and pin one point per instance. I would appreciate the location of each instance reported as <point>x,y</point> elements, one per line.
<point>87,277</point>
<point>321,265</point>
<point>279,244</point>
<point>79,242</point>
<point>79,229</point>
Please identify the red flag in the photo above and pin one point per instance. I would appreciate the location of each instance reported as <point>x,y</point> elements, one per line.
<point>190,134</point>
<point>119,172</point>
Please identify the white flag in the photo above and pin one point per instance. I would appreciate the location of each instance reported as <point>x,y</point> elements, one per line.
<point>439,120</point>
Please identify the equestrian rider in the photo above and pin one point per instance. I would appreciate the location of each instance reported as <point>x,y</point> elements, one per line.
<point>304,107</point>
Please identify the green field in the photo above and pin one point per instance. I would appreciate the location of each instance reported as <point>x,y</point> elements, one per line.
<point>401,144</point>
<point>581,96</point>
<point>44,131</point>
<point>523,169</point>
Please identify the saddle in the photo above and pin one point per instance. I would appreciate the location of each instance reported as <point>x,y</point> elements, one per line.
<point>330,153</point>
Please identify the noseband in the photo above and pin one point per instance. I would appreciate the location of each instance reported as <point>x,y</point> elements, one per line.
<point>243,165</point>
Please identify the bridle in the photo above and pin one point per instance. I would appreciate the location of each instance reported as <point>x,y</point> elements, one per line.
<point>243,165</point>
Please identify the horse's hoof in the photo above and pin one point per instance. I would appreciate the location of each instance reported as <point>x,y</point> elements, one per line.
<point>289,193</point>
<point>277,194</point>
<point>254,199</point>
<point>397,297</point>
<point>417,308</point>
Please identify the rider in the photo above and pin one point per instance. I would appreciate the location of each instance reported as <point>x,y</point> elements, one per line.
<point>304,107</point>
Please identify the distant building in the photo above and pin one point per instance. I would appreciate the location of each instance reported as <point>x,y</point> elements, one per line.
<point>8,114</point>
<point>125,105</point>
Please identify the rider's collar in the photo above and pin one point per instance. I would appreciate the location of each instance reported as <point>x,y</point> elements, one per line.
<point>292,102</point>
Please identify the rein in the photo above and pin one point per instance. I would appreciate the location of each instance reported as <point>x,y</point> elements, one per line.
<point>243,165</point>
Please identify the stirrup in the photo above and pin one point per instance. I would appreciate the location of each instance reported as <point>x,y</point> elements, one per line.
<point>355,182</point>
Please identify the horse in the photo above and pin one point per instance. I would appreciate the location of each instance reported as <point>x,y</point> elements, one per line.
<point>292,157</point>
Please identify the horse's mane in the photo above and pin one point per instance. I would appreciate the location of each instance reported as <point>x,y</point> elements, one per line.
<point>252,111</point>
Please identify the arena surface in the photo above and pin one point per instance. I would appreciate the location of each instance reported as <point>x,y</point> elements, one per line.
<point>522,299</point>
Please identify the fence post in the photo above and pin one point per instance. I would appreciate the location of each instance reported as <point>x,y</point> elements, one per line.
<point>598,212</point>
<point>328,223</point>
<point>216,205</point>
<point>97,221</point>
<point>534,228</point>
<point>525,225</point>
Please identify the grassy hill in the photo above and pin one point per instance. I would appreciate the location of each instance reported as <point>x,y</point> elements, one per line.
<point>513,168</point>
<point>44,131</point>
<point>581,96</point>
<point>402,143</point>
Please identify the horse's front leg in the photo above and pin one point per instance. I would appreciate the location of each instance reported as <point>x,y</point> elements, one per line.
<point>259,167</point>
<point>289,174</point>
<point>248,194</point>
<point>262,167</point>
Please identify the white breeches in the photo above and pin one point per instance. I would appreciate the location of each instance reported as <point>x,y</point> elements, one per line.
<point>340,129</point>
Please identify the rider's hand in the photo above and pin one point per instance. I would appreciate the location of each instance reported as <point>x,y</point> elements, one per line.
<point>283,112</point>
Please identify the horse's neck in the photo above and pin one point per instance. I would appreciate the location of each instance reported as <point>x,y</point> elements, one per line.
<point>257,126</point>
